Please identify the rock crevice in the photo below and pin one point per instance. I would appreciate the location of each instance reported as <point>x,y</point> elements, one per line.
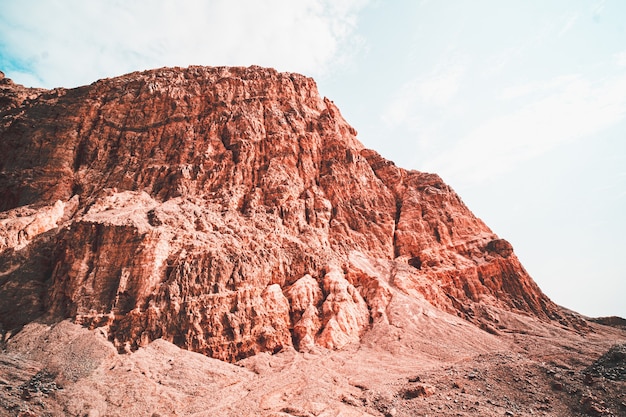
<point>231,211</point>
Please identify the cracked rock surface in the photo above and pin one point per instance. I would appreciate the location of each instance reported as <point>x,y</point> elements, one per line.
<point>230,211</point>
<point>216,238</point>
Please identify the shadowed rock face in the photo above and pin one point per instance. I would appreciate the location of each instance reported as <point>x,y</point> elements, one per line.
<point>230,211</point>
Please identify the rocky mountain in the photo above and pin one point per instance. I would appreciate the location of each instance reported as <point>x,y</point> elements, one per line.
<point>232,212</point>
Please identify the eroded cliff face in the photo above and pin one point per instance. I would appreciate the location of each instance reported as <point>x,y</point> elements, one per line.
<point>230,211</point>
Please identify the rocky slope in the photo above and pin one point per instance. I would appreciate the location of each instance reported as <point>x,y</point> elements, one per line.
<point>449,368</point>
<point>230,211</point>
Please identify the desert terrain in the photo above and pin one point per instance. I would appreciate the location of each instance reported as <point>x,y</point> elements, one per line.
<point>215,241</point>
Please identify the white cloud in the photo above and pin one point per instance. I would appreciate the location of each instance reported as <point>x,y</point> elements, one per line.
<point>439,89</point>
<point>75,42</point>
<point>436,89</point>
<point>571,20</point>
<point>620,59</point>
<point>536,87</point>
<point>599,8</point>
<point>572,109</point>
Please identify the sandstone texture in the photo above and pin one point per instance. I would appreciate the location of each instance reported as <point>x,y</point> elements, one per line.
<point>156,226</point>
<point>230,211</point>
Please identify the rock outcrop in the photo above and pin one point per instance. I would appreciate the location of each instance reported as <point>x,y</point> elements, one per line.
<point>230,211</point>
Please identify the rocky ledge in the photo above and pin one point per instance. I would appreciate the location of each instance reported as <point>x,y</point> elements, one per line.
<point>231,211</point>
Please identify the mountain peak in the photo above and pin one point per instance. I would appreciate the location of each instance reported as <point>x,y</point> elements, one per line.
<point>232,211</point>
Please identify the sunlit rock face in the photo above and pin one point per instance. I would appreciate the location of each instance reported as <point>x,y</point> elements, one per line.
<point>230,211</point>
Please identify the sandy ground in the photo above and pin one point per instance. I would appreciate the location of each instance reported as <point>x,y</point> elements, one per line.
<point>431,365</point>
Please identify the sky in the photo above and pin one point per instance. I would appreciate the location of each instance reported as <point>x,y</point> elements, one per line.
<point>519,105</point>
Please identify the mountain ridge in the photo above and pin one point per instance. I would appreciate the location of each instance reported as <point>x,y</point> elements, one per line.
<point>183,191</point>
<point>155,222</point>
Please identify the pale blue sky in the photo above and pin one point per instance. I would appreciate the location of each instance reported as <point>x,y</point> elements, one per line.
<point>519,105</point>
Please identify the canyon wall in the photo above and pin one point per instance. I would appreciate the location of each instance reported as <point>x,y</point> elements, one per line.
<point>230,211</point>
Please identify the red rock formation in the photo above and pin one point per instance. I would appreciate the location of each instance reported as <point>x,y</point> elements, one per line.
<point>231,211</point>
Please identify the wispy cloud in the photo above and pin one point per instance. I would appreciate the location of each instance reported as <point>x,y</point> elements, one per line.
<point>74,42</point>
<point>421,107</point>
<point>537,87</point>
<point>599,8</point>
<point>620,58</point>
<point>571,20</point>
<point>435,89</point>
<point>572,108</point>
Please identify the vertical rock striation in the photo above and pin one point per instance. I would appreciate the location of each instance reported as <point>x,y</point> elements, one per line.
<point>230,211</point>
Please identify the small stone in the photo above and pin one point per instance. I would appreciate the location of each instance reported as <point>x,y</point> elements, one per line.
<point>350,400</point>
<point>417,391</point>
<point>557,386</point>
